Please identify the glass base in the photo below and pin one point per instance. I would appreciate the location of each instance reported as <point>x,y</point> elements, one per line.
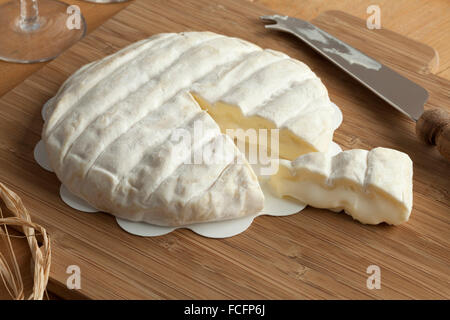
<point>56,30</point>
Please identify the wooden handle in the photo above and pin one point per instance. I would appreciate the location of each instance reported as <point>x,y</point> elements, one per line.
<point>433,127</point>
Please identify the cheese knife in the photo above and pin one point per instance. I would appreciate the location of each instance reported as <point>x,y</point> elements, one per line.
<point>432,125</point>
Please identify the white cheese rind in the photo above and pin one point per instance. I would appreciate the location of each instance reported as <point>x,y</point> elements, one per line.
<point>372,186</point>
<point>108,129</point>
<point>143,174</point>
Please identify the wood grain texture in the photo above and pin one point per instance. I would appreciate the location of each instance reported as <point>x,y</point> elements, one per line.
<point>423,20</point>
<point>434,127</point>
<point>315,254</point>
<point>14,73</point>
<point>426,21</point>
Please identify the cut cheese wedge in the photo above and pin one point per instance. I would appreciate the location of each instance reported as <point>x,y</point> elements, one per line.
<point>110,129</point>
<point>372,186</point>
<point>268,90</point>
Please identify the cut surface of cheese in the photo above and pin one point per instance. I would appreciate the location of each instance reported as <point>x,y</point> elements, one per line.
<point>110,129</point>
<point>268,90</point>
<point>372,186</point>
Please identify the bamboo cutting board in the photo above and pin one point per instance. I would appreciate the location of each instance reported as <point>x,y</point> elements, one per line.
<point>314,254</point>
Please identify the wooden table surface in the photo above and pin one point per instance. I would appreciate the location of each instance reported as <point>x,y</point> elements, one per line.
<point>421,20</point>
<point>427,21</point>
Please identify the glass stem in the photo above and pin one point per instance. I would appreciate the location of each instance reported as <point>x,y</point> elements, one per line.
<point>29,15</point>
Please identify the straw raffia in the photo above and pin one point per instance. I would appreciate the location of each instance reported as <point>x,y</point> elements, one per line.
<point>41,254</point>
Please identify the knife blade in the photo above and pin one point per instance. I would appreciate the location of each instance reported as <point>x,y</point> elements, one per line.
<point>400,92</point>
<point>433,126</point>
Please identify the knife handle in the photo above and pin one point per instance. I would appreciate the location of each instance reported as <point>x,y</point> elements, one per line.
<point>433,127</point>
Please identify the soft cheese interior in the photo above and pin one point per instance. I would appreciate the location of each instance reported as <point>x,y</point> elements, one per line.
<point>268,90</point>
<point>372,186</point>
